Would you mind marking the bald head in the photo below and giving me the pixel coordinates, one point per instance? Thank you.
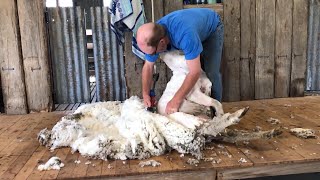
(148, 36)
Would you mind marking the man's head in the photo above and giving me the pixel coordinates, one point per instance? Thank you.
(151, 38)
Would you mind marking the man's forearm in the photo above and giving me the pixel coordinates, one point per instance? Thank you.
(187, 85)
(146, 78)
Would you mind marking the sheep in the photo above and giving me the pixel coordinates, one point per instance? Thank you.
(126, 130)
(198, 98)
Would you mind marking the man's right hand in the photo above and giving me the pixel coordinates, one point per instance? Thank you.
(147, 100)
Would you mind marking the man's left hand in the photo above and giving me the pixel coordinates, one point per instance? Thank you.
(173, 106)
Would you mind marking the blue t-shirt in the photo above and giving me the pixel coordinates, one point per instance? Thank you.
(187, 29)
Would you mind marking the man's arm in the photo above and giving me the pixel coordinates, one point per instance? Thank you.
(190, 80)
(147, 71)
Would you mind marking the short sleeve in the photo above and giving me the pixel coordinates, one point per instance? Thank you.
(191, 45)
(152, 58)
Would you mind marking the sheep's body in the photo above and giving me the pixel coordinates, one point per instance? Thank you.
(127, 131)
(198, 100)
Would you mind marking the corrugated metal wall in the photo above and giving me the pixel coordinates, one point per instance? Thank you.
(313, 71)
(108, 57)
(69, 55)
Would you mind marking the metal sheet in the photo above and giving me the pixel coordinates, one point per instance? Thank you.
(69, 55)
(313, 71)
(108, 57)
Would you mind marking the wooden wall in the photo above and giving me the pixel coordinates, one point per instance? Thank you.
(25, 80)
(264, 48)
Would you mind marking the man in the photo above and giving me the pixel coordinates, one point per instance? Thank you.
(196, 32)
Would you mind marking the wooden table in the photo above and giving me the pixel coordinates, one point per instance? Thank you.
(20, 152)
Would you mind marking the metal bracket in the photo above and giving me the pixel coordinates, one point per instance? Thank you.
(263, 56)
(282, 56)
(38, 68)
(248, 58)
(296, 55)
(7, 69)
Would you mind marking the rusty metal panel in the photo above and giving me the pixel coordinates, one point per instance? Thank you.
(108, 57)
(69, 55)
(313, 67)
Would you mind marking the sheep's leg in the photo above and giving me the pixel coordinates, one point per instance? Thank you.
(201, 98)
(195, 109)
(234, 136)
(218, 124)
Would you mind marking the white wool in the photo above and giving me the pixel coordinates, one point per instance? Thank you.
(124, 130)
(151, 162)
(53, 163)
(127, 131)
(303, 133)
(65, 132)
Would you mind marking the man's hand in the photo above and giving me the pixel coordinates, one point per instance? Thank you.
(173, 105)
(188, 83)
(146, 100)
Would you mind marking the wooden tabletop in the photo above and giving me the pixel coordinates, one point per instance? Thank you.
(20, 153)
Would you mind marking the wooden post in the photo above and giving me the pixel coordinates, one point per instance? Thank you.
(248, 48)
(35, 54)
(283, 48)
(265, 41)
(299, 47)
(14, 94)
(133, 69)
(231, 55)
(172, 5)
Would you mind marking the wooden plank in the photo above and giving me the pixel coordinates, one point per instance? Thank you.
(69, 166)
(7, 122)
(299, 47)
(133, 66)
(35, 55)
(185, 175)
(75, 107)
(265, 33)
(36, 174)
(172, 5)
(70, 107)
(6, 162)
(158, 9)
(62, 154)
(248, 48)
(31, 163)
(231, 54)
(283, 48)
(12, 79)
(15, 167)
(95, 168)
(62, 107)
(270, 170)
(81, 168)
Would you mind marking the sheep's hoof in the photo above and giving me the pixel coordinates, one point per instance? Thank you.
(246, 109)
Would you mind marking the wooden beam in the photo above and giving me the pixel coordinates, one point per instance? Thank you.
(13, 87)
(248, 48)
(172, 5)
(231, 55)
(299, 47)
(283, 48)
(265, 40)
(269, 170)
(35, 55)
(133, 69)
(186, 175)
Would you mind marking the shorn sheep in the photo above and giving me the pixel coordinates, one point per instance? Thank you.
(125, 130)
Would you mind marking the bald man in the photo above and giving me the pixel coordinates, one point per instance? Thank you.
(197, 32)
